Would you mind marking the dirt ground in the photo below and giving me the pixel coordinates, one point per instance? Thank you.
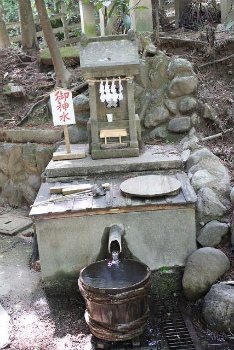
(40, 322)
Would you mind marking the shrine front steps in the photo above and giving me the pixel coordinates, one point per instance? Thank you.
(151, 159)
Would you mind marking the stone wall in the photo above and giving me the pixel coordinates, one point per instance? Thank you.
(165, 96)
(20, 172)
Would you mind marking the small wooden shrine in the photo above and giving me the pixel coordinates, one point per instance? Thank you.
(109, 65)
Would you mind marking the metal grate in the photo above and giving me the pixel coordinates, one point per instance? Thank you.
(173, 325)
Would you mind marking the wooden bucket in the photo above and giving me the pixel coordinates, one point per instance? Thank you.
(116, 298)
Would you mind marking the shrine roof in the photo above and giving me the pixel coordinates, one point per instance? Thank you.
(113, 55)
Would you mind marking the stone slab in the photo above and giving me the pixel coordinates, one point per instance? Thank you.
(152, 158)
(30, 135)
(11, 224)
(4, 328)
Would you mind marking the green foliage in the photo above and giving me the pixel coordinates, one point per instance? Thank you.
(11, 8)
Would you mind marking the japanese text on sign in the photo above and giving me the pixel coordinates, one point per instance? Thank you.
(62, 107)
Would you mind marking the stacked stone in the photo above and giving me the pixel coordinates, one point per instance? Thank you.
(165, 96)
(20, 173)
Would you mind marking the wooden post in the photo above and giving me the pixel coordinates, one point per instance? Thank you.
(131, 114)
(66, 136)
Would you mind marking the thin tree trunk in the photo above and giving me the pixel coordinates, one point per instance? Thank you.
(156, 22)
(62, 74)
(4, 38)
(27, 26)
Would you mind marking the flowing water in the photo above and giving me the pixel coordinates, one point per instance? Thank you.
(114, 274)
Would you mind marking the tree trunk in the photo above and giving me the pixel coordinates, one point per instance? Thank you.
(156, 22)
(4, 38)
(62, 74)
(27, 26)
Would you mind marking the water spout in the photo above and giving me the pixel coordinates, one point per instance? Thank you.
(115, 238)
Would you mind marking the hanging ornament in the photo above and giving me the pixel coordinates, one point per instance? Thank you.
(120, 90)
(102, 92)
(108, 93)
(114, 93)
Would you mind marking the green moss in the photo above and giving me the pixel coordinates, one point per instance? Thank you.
(167, 280)
(90, 30)
(71, 51)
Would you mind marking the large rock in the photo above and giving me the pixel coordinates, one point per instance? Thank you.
(200, 156)
(218, 308)
(210, 113)
(15, 164)
(43, 155)
(171, 105)
(80, 103)
(158, 72)
(201, 178)
(202, 269)
(179, 66)
(77, 134)
(187, 105)
(179, 124)
(160, 131)
(202, 162)
(155, 116)
(20, 173)
(209, 206)
(28, 157)
(232, 195)
(11, 194)
(211, 234)
(143, 77)
(181, 86)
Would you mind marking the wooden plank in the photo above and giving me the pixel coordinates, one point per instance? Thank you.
(43, 195)
(73, 155)
(188, 191)
(118, 199)
(61, 205)
(113, 133)
(112, 210)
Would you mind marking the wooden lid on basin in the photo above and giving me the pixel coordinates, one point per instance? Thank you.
(150, 186)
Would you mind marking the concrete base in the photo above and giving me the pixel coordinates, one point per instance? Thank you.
(157, 238)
